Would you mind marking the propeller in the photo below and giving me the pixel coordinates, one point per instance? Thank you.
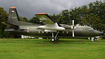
(72, 27)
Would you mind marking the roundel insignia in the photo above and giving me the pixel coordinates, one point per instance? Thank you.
(27, 31)
(12, 10)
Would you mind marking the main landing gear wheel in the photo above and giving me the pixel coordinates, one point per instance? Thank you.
(52, 39)
(57, 39)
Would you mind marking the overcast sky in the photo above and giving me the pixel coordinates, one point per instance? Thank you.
(27, 8)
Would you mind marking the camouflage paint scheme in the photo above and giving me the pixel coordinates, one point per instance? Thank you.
(25, 28)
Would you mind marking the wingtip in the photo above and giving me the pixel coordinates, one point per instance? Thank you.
(41, 14)
(12, 7)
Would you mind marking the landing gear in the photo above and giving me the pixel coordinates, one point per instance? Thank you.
(53, 38)
(93, 39)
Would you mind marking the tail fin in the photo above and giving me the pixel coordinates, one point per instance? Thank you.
(13, 17)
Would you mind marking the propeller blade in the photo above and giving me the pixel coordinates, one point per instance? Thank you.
(72, 33)
(72, 28)
(72, 22)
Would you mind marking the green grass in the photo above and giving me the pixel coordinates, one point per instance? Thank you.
(45, 49)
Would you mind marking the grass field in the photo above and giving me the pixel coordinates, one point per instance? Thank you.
(45, 49)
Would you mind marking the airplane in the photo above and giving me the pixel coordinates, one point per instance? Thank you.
(49, 29)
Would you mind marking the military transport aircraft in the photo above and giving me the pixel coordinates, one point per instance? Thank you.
(50, 27)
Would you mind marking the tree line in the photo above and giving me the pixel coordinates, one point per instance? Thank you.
(92, 15)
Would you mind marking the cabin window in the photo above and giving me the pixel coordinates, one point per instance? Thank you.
(39, 32)
(91, 29)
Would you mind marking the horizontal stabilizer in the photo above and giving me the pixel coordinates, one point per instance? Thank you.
(8, 24)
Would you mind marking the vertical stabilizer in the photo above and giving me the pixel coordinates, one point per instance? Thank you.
(13, 17)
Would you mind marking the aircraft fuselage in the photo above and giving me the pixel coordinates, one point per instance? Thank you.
(35, 31)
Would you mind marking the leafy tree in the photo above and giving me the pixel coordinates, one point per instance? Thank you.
(75, 14)
(23, 19)
(1, 33)
(3, 18)
(35, 20)
(6, 34)
(62, 18)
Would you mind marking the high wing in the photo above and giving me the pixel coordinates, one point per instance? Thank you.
(50, 23)
(44, 18)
